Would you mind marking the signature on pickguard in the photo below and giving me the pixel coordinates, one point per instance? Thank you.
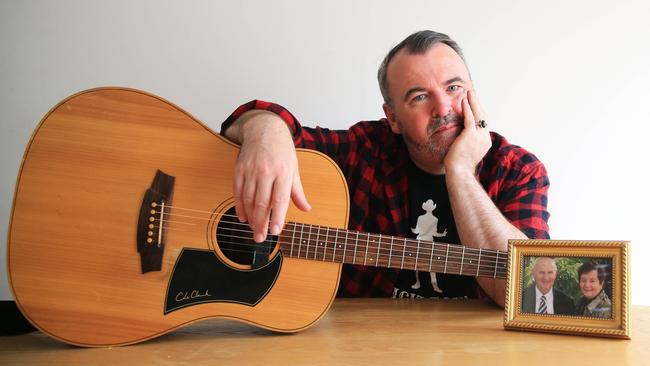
(190, 295)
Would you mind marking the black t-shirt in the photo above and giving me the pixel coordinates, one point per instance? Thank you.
(431, 219)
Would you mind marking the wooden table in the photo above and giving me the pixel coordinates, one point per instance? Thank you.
(356, 331)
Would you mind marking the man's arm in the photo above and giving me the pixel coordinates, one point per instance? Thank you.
(479, 222)
(266, 173)
(266, 153)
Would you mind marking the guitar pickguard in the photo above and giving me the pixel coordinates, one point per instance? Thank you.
(199, 276)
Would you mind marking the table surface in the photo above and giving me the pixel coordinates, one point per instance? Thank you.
(356, 331)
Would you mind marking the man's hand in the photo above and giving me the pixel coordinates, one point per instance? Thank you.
(266, 173)
(473, 143)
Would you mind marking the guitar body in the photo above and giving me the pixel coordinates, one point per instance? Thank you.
(73, 250)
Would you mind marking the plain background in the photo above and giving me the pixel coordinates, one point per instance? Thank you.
(568, 80)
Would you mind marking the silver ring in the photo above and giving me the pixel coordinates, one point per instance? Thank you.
(481, 124)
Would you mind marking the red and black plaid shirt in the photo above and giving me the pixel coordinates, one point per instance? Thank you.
(374, 161)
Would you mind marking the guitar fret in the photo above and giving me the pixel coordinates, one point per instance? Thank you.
(462, 259)
(317, 236)
(378, 249)
(390, 253)
(318, 243)
(305, 242)
(302, 230)
(345, 245)
(504, 263)
(356, 243)
(322, 243)
(327, 232)
(336, 241)
(417, 255)
(446, 258)
(309, 243)
(365, 258)
(293, 235)
(403, 253)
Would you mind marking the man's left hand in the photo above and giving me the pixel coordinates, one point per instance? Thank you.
(473, 143)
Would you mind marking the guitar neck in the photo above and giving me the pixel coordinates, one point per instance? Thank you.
(314, 242)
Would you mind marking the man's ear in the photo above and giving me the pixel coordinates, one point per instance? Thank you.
(392, 121)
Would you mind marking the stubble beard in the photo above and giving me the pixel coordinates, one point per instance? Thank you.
(437, 144)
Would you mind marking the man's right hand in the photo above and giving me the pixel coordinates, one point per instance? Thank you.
(266, 173)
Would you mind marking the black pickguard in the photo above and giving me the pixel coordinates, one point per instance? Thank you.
(199, 276)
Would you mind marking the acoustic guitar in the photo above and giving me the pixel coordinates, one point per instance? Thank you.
(123, 229)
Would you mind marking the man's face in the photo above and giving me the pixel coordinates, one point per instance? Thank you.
(544, 274)
(426, 92)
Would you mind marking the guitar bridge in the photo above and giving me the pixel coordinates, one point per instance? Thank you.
(151, 221)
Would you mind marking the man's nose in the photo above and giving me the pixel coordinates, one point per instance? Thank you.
(442, 105)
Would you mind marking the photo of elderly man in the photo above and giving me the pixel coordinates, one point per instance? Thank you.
(540, 297)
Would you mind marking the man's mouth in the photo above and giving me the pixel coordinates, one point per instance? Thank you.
(446, 123)
(447, 127)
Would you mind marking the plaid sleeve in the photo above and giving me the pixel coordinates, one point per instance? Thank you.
(524, 202)
(334, 143)
(286, 116)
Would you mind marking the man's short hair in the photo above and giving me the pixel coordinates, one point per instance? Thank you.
(593, 266)
(539, 259)
(416, 44)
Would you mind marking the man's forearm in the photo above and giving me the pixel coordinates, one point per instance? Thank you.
(480, 224)
(236, 131)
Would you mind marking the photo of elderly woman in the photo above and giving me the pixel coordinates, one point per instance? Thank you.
(574, 286)
(594, 301)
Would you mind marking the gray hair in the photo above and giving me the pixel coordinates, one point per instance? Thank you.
(416, 44)
(539, 259)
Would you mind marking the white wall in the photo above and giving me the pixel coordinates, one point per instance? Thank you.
(569, 80)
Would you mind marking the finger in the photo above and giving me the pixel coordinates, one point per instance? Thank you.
(475, 106)
(477, 110)
(248, 201)
(262, 210)
(280, 202)
(298, 194)
(468, 116)
(237, 191)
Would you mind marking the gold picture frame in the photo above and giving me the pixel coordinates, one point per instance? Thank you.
(580, 268)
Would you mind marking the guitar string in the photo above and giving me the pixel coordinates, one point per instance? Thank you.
(453, 252)
(380, 248)
(488, 252)
(435, 267)
(483, 254)
(418, 262)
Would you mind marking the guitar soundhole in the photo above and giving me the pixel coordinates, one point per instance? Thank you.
(236, 242)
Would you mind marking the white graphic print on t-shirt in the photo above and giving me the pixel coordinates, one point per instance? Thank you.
(426, 229)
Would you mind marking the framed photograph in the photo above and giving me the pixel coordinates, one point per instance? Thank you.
(574, 287)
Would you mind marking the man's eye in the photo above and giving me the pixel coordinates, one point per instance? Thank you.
(420, 97)
(453, 88)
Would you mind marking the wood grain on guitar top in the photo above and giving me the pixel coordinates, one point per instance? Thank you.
(74, 266)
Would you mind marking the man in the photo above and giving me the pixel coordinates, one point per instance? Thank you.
(540, 297)
(433, 144)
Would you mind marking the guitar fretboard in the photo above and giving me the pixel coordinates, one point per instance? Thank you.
(327, 244)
